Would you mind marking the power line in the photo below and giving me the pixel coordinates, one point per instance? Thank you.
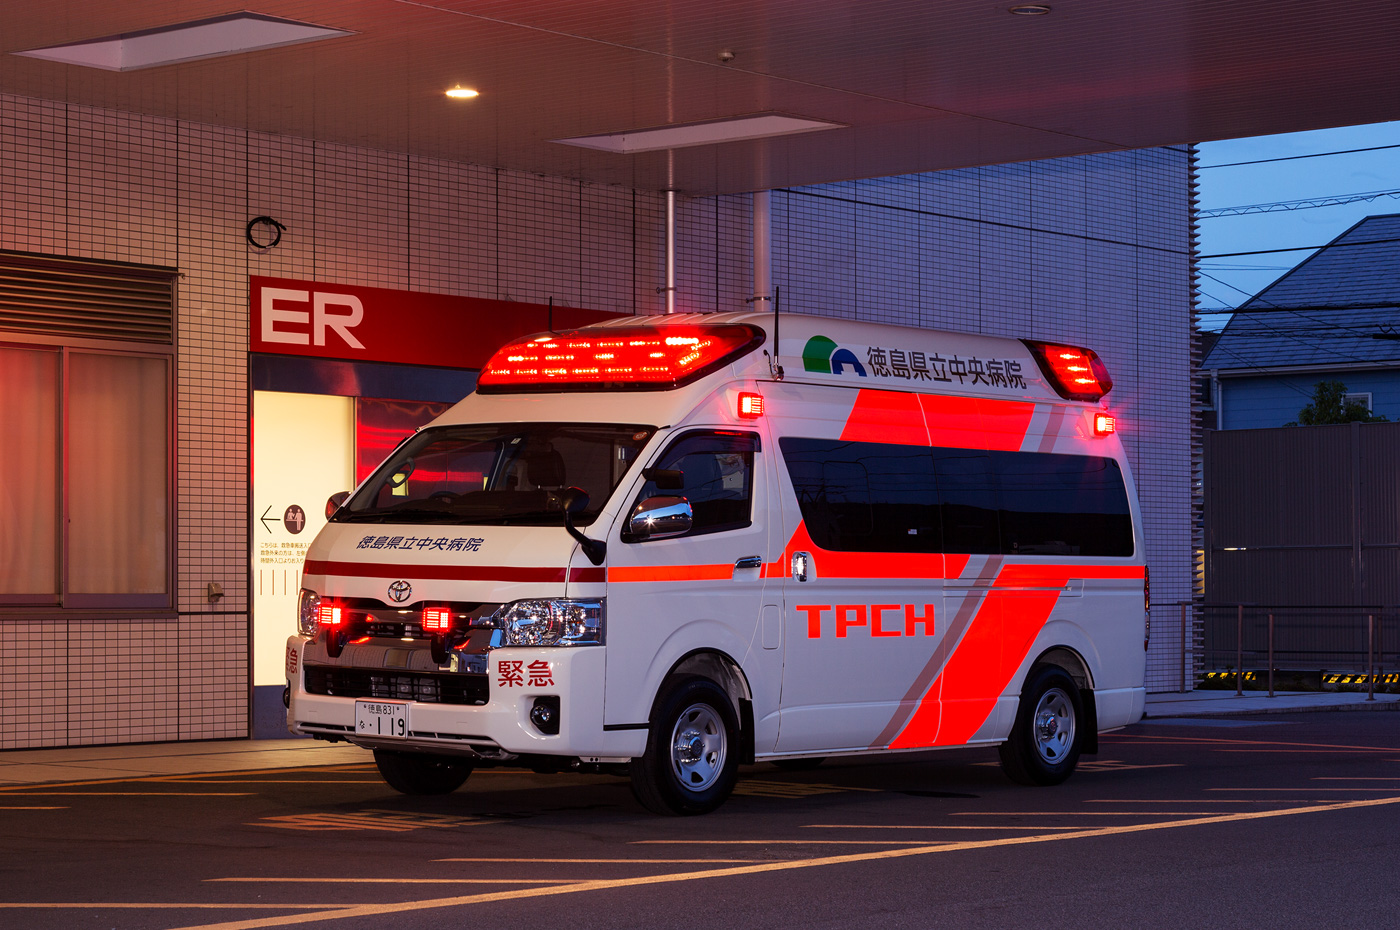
(1305, 204)
(1300, 248)
(1265, 161)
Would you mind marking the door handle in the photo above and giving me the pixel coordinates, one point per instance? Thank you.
(749, 561)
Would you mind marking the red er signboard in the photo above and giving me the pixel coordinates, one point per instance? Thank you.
(376, 324)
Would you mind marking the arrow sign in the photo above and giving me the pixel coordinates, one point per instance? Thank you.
(263, 518)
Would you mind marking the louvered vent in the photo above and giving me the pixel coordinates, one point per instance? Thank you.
(86, 299)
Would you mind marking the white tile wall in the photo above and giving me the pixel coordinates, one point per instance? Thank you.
(1088, 249)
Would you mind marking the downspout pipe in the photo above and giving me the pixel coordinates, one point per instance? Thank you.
(670, 251)
(762, 250)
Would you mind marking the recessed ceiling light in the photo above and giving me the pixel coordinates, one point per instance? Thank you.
(1029, 9)
(462, 93)
(738, 129)
(204, 38)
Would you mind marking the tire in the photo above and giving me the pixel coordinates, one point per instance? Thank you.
(692, 756)
(1046, 739)
(799, 765)
(421, 773)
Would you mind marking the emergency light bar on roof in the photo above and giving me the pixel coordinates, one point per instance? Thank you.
(1075, 373)
(638, 357)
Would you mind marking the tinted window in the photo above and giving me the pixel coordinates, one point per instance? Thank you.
(717, 478)
(880, 497)
(968, 492)
(1062, 505)
(864, 496)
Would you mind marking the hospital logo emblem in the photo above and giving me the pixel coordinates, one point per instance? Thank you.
(823, 355)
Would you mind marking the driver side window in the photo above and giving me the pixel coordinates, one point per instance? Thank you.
(716, 473)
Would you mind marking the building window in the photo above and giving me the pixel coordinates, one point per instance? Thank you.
(86, 502)
(1361, 397)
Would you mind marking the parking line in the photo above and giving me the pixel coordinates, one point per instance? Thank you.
(407, 881)
(128, 794)
(371, 910)
(633, 861)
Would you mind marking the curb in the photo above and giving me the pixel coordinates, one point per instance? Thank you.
(1264, 711)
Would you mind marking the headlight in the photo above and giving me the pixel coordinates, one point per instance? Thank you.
(307, 609)
(552, 622)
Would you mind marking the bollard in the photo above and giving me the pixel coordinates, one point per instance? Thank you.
(1183, 647)
(1271, 653)
(1239, 652)
(1370, 657)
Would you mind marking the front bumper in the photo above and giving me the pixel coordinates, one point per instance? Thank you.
(499, 729)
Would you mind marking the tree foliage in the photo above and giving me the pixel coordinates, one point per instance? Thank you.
(1329, 405)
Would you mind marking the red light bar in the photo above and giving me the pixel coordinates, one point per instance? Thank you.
(1104, 424)
(1074, 373)
(329, 615)
(639, 357)
(437, 619)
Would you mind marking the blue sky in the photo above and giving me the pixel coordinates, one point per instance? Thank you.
(1227, 282)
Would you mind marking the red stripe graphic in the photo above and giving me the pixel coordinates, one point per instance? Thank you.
(886, 416)
(723, 572)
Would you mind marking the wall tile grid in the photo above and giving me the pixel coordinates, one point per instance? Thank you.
(1092, 250)
(111, 185)
(1057, 249)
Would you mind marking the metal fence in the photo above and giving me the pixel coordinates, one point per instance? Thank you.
(1261, 644)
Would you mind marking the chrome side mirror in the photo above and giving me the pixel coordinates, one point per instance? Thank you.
(660, 518)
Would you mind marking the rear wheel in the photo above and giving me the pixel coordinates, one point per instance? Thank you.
(1046, 739)
(421, 773)
(691, 761)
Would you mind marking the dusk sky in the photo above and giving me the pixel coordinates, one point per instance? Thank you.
(1228, 282)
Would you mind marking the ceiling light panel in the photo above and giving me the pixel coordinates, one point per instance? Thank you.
(233, 34)
(760, 126)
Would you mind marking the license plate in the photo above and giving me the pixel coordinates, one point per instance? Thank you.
(381, 718)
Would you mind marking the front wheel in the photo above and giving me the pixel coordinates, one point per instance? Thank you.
(1045, 740)
(421, 773)
(691, 761)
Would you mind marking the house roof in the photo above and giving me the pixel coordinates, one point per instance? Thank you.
(1339, 308)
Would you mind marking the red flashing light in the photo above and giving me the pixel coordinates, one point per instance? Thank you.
(640, 357)
(437, 619)
(329, 615)
(750, 405)
(1074, 373)
(1104, 424)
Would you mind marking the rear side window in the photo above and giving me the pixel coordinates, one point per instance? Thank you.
(864, 496)
(883, 497)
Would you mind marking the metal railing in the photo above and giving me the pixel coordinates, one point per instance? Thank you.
(1254, 642)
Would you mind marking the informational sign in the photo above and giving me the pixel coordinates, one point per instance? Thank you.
(376, 324)
(303, 452)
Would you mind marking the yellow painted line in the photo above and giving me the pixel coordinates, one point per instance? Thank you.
(775, 842)
(409, 881)
(1310, 788)
(1219, 740)
(130, 793)
(372, 910)
(279, 781)
(1202, 801)
(127, 779)
(167, 906)
(17, 808)
(633, 861)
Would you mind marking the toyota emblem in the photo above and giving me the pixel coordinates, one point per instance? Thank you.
(400, 591)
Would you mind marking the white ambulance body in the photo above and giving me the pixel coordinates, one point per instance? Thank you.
(875, 539)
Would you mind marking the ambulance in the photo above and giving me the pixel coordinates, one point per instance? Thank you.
(666, 546)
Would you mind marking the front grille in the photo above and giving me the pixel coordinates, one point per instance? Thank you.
(428, 687)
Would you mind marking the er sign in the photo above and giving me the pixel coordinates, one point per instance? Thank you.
(376, 324)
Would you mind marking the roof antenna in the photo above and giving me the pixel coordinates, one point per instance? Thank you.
(774, 368)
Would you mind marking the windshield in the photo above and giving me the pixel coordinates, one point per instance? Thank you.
(498, 474)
